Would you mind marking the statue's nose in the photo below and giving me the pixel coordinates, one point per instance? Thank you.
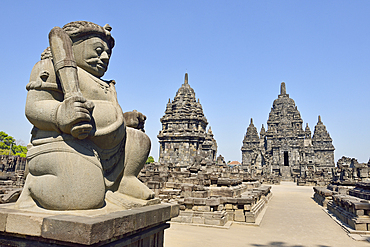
(104, 57)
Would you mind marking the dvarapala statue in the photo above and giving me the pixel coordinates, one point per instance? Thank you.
(82, 146)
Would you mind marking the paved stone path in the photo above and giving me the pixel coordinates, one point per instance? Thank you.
(292, 219)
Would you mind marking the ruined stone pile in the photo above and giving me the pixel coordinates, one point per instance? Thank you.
(349, 204)
(349, 171)
(218, 209)
(323, 195)
(11, 178)
(213, 195)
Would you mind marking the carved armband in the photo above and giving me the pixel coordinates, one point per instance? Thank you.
(64, 63)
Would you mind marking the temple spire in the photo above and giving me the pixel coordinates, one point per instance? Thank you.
(251, 121)
(319, 121)
(186, 78)
(282, 88)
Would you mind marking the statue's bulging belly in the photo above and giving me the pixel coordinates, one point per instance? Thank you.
(109, 128)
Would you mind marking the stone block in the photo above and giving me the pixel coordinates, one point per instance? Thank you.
(186, 194)
(247, 207)
(24, 223)
(212, 201)
(200, 194)
(220, 207)
(216, 222)
(204, 208)
(214, 215)
(3, 218)
(186, 219)
(243, 201)
(198, 220)
(198, 214)
(361, 227)
(170, 185)
(177, 219)
(90, 230)
(250, 217)
(230, 215)
(232, 200)
(199, 201)
(189, 200)
(360, 212)
(77, 229)
(239, 215)
(186, 213)
(228, 206)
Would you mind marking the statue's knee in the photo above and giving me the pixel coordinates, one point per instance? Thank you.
(137, 138)
(64, 181)
(57, 193)
(42, 164)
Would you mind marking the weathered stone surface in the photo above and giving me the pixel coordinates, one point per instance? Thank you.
(81, 136)
(239, 215)
(85, 229)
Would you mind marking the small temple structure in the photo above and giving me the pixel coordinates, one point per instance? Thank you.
(285, 149)
(184, 136)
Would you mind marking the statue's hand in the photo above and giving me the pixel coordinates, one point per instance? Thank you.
(134, 119)
(74, 115)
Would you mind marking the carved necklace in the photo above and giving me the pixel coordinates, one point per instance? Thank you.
(101, 84)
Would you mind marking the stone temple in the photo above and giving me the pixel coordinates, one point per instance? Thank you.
(183, 138)
(285, 149)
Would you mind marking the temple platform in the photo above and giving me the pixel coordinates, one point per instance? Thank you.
(142, 226)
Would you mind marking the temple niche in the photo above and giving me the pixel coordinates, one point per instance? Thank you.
(184, 135)
(285, 149)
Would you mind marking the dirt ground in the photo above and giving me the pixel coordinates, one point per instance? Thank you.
(292, 218)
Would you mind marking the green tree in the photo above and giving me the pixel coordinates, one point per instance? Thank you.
(7, 142)
(149, 160)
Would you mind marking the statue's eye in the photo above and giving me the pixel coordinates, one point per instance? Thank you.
(99, 50)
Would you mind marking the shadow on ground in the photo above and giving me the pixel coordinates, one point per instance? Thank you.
(283, 244)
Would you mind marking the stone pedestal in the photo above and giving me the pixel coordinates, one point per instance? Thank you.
(135, 227)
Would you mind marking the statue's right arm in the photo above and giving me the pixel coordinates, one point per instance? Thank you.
(46, 107)
(41, 108)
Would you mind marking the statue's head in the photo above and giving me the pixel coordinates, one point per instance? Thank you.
(92, 45)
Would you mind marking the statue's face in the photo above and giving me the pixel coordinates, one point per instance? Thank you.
(92, 55)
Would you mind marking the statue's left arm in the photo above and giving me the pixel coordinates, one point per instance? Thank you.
(134, 119)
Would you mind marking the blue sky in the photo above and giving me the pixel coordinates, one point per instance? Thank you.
(236, 54)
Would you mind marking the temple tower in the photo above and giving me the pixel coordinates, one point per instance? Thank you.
(284, 135)
(323, 146)
(183, 135)
(285, 146)
(251, 146)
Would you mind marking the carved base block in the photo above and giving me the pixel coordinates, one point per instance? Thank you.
(136, 227)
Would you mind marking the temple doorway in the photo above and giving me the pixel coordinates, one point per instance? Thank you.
(286, 158)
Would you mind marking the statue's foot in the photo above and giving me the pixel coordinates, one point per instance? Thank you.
(132, 186)
(126, 202)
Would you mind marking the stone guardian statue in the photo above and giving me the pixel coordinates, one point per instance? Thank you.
(85, 153)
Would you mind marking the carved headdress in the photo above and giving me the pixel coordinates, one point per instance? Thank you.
(81, 30)
(77, 30)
